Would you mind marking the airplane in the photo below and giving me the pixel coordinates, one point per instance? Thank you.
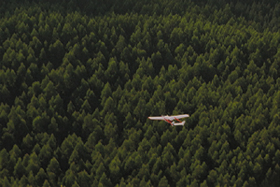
(170, 119)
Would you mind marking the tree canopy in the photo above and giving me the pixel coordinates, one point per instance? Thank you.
(78, 80)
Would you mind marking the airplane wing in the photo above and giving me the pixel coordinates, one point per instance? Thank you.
(180, 116)
(156, 118)
(175, 117)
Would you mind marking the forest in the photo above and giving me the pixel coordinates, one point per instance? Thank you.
(79, 78)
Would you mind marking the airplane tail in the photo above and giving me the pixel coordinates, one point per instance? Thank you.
(178, 124)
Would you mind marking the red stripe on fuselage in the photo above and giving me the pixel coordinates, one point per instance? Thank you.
(178, 120)
(168, 121)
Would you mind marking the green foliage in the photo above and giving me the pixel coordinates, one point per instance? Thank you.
(77, 85)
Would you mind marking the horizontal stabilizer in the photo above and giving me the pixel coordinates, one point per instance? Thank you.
(182, 123)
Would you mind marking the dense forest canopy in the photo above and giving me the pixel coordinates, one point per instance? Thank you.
(78, 80)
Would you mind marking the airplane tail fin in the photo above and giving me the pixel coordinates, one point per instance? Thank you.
(178, 124)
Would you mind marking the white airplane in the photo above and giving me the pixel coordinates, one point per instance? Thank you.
(170, 119)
